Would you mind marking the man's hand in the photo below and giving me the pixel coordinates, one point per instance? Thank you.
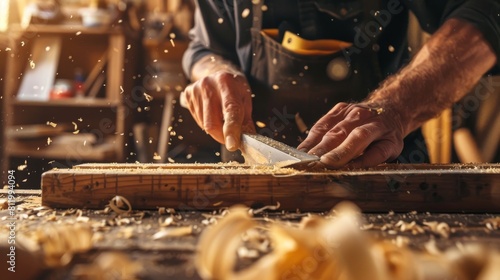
(443, 71)
(359, 135)
(221, 104)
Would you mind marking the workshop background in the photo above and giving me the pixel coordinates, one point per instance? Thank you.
(97, 82)
(107, 76)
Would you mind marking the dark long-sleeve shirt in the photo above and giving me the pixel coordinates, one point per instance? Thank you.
(222, 27)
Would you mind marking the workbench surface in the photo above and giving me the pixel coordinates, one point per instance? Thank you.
(133, 234)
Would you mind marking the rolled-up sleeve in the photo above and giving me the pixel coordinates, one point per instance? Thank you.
(212, 33)
(483, 14)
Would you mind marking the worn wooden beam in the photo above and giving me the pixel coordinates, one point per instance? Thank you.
(401, 187)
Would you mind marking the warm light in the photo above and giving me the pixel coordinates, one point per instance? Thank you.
(4, 15)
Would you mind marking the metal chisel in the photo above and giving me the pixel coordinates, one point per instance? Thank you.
(259, 149)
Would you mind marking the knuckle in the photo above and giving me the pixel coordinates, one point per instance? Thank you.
(224, 77)
(204, 84)
(356, 113)
(232, 112)
(337, 131)
(332, 159)
(340, 106)
(361, 132)
(320, 128)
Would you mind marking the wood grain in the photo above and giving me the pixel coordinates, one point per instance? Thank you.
(401, 187)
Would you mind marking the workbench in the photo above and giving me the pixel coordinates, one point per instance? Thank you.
(132, 235)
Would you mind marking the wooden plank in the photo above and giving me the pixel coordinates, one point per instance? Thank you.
(433, 188)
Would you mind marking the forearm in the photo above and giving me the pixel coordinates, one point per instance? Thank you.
(211, 64)
(443, 71)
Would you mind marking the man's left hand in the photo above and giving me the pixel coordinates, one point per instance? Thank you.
(355, 136)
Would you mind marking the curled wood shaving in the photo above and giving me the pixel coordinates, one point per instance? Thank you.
(167, 222)
(411, 227)
(321, 248)
(4, 204)
(267, 207)
(120, 205)
(440, 228)
(163, 210)
(492, 223)
(59, 243)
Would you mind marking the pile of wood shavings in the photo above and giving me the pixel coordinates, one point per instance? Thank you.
(49, 239)
(333, 248)
(187, 169)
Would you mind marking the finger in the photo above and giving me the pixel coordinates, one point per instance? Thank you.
(183, 99)
(333, 138)
(357, 141)
(233, 120)
(353, 117)
(322, 126)
(376, 153)
(248, 124)
(191, 105)
(233, 112)
(212, 118)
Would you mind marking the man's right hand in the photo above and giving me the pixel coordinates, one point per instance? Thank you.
(221, 104)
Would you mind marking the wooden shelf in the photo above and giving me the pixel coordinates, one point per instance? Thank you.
(70, 102)
(101, 152)
(107, 116)
(76, 29)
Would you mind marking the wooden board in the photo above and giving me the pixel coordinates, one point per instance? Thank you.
(425, 187)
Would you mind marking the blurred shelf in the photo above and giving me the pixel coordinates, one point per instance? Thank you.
(70, 102)
(105, 115)
(101, 152)
(76, 29)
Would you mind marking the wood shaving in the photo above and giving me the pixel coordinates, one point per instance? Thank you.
(492, 223)
(83, 219)
(440, 228)
(267, 207)
(163, 210)
(120, 205)
(4, 204)
(60, 243)
(22, 167)
(409, 227)
(148, 97)
(167, 222)
(173, 232)
(321, 248)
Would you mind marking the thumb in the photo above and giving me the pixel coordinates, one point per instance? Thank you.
(233, 120)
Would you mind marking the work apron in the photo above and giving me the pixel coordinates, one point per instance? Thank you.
(292, 91)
